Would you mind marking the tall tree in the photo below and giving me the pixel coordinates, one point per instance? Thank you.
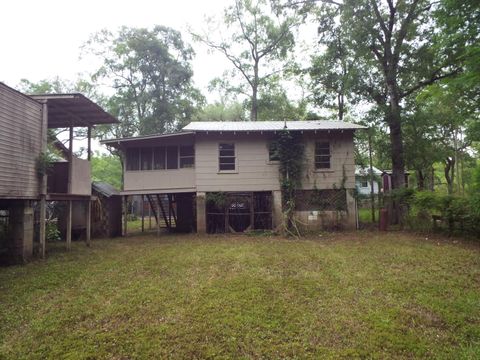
(334, 70)
(257, 38)
(107, 168)
(399, 51)
(151, 74)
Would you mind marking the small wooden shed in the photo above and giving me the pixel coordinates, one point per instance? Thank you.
(106, 211)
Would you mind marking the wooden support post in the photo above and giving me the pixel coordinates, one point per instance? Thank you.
(89, 147)
(149, 218)
(70, 160)
(252, 215)
(125, 215)
(143, 214)
(89, 223)
(159, 205)
(43, 186)
(201, 212)
(43, 215)
(69, 224)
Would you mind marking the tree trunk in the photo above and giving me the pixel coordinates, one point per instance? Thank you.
(431, 180)
(449, 173)
(420, 180)
(254, 109)
(397, 154)
(341, 105)
(396, 139)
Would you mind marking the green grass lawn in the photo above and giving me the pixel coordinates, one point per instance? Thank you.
(352, 295)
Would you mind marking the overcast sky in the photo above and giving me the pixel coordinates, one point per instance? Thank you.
(42, 39)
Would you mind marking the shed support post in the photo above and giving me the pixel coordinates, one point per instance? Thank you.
(125, 215)
(69, 224)
(89, 222)
(201, 216)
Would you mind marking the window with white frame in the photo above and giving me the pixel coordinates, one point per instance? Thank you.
(226, 157)
(322, 155)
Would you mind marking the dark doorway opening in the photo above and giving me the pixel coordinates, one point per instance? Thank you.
(239, 211)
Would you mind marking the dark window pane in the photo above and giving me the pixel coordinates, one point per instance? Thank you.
(227, 147)
(159, 158)
(133, 159)
(187, 150)
(273, 152)
(227, 160)
(146, 158)
(322, 155)
(227, 166)
(172, 157)
(227, 153)
(186, 162)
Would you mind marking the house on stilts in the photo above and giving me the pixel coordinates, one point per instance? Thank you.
(27, 181)
(224, 176)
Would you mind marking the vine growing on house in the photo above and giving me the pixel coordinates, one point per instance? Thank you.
(290, 153)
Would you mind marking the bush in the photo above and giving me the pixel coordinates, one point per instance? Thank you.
(51, 231)
(453, 210)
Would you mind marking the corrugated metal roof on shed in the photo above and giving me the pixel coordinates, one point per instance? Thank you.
(104, 189)
(270, 125)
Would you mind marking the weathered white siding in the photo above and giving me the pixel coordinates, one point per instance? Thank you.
(20, 144)
(254, 172)
(161, 181)
(342, 161)
(81, 177)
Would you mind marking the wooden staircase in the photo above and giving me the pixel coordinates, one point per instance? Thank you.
(164, 210)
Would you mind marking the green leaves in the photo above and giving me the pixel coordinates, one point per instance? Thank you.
(151, 73)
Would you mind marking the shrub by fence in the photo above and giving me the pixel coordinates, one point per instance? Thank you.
(430, 211)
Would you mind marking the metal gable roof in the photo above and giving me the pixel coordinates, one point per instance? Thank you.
(229, 126)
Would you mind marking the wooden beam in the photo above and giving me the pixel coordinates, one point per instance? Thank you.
(252, 216)
(159, 204)
(69, 224)
(70, 159)
(89, 146)
(143, 214)
(43, 215)
(89, 222)
(43, 185)
(152, 208)
(164, 214)
(125, 215)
